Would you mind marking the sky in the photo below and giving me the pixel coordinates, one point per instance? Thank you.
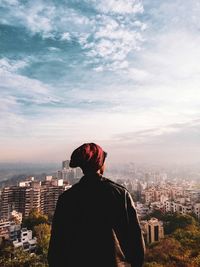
(124, 74)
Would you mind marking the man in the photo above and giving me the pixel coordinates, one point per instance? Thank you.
(95, 223)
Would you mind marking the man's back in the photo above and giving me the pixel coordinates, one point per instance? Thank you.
(95, 224)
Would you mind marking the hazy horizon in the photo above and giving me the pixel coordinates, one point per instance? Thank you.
(123, 74)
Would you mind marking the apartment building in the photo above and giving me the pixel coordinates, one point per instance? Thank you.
(22, 198)
(31, 195)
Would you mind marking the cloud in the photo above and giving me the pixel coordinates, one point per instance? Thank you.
(37, 17)
(17, 94)
(11, 119)
(112, 42)
(13, 83)
(119, 7)
(139, 75)
(7, 65)
(175, 143)
(108, 34)
(171, 14)
(65, 36)
(156, 136)
(122, 73)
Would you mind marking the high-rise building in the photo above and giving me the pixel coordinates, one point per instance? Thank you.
(50, 191)
(65, 164)
(42, 197)
(70, 175)
(6, 202)
(21, 198)
(32, 200)
(79, 173)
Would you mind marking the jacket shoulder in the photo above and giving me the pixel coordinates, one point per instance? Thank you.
(69, 191)
(115, 185)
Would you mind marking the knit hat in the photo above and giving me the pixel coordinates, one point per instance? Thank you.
(89, 157)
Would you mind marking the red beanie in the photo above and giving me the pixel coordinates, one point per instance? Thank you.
(89, 157)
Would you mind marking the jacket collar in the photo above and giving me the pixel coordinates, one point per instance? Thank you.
(95, 177)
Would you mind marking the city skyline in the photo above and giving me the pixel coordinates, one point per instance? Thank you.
(123, 74)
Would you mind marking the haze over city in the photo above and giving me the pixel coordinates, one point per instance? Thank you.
(123, 74)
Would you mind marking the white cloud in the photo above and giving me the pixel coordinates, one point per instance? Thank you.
(141, 25)
(10, 2)
(15, 92)
(51, 48)
(119, 6)
(11, 119)
(44, 18)
(110, 35)
(39, 18)
(175, 143)
(65, 36)
(158, 85)
(178, 14)
(12, 83)
(112, 43)
(139, 75)
(12, 65)
(36, 17)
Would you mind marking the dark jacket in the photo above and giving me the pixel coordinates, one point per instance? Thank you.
(95, 225)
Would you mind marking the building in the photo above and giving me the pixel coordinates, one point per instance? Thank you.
(9, 230)
(142, 210)
(32, 198)
(25, 241)
(16, 216)
(50, 191)
(22, 198)
(181, 205)
(167, 206)
(152, 230)
(41, 196)
(193, 195)
(14, 231)
(196, 210)
(154, 194)
(65, 164)
(7, 202)
(72, 175)
(185, 209)
(4, 229)
(79, 173)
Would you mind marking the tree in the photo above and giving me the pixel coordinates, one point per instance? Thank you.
(156, 214)
(180, 249)
(34, 218)
(43, 233)
(178, 221)
(159, 252)
(17, 257)
(189, 238)
(153, 264)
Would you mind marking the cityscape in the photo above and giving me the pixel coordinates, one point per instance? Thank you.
(165, 205)
(123, 74)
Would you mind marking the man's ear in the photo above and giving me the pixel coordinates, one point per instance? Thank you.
(102, 169)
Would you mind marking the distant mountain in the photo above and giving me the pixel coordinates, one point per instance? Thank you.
(12, 172)
(15, 179)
